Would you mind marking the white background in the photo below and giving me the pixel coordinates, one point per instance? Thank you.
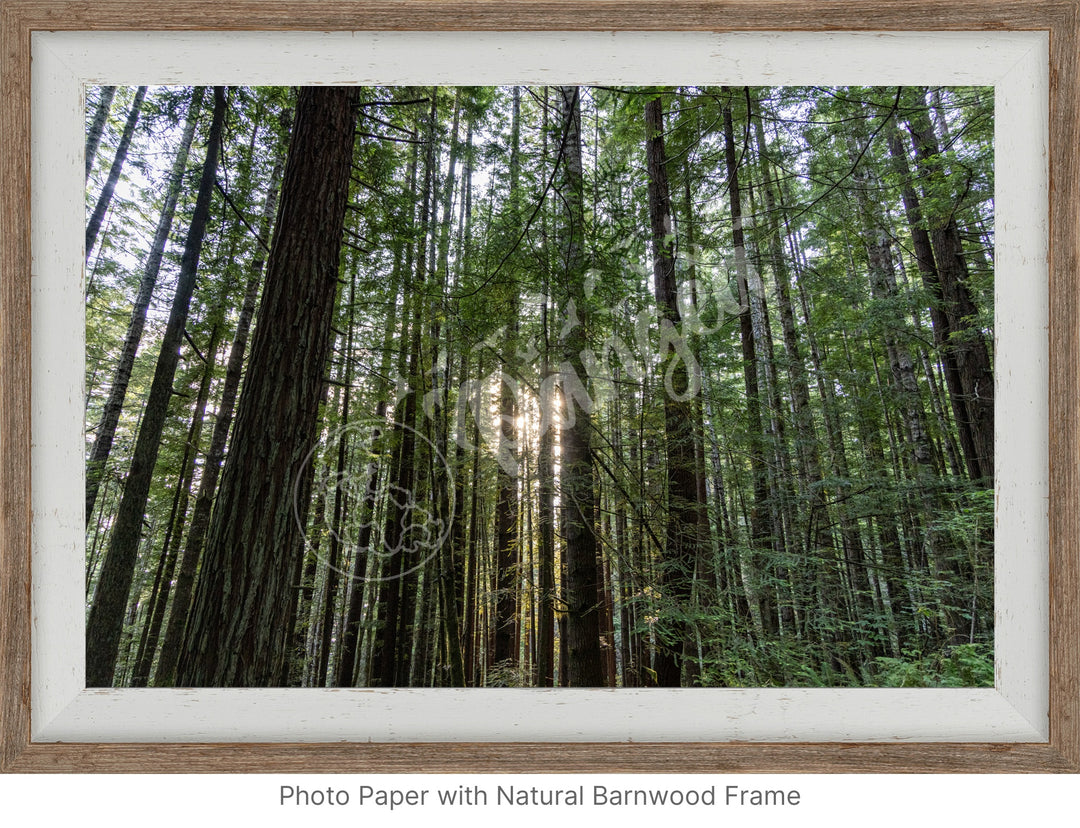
(878, 801)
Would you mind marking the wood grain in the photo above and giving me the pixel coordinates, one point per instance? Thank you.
(14, 386)
(18, 18)
(1064, 388)
(543, 15)
(543, 758)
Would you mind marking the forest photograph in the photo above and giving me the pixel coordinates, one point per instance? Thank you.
(539, 386)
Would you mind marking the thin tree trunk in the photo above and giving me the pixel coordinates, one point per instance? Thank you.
(351, 627)
(761, 528)
(105, 621)
(97, 126)
(93, 225)
(341, 497)
(583, 662)
(973, 361)
(507, 537)
(171, 549)
(106, 429)
(545, 633)
(940, 319)
(683, 527)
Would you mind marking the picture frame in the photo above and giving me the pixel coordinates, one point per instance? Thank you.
(22, 753)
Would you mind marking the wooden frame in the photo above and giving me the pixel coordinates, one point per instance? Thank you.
(19, 18)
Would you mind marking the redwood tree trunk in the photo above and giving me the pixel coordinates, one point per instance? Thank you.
(682, 538)
(238, 634)
(583, 666)
(204, 500)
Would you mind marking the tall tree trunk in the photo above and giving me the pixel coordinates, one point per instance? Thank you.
(106, 429)
(204, 499)
(172, 546)
(682, 524)
(351, 627)
(968, 345)
(105, 198)
(449, 575)
(238, 633)
(341, 497)
(97, 126)
(545, 467)
(507, 537)
(409, 479)
(105, 621)
(761, 529)
(583, 662)
(941, 321)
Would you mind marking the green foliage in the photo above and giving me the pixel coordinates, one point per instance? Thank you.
(832, 558)
(963, 665)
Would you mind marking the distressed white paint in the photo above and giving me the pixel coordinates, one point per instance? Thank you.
(1015, 710)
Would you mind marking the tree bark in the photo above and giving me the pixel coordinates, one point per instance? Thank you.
(106, 429)
(761, 528)
(171, 547)
(93, 226)
(682, 525)
(97, 126)
(967, 343)
(204, 499)
(507, 537)
(583, 664)
(238, 634)
(105, 621)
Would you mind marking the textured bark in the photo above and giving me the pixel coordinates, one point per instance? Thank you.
(941, 321)
(582, 664)
(105, 621)
(238, 634)
(204, 499)
(967, 342)
(106, 429)
(507, 538)
(171, 548)
(761, 523)
(354, 612)
(682, 525)
(97, 126)
(93, 226)
(545, 467)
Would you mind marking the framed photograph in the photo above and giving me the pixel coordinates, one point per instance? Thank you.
(539, 387)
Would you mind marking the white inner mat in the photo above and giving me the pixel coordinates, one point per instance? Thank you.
(1016, 709)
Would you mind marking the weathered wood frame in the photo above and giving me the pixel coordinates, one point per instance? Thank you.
(1060, 18)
